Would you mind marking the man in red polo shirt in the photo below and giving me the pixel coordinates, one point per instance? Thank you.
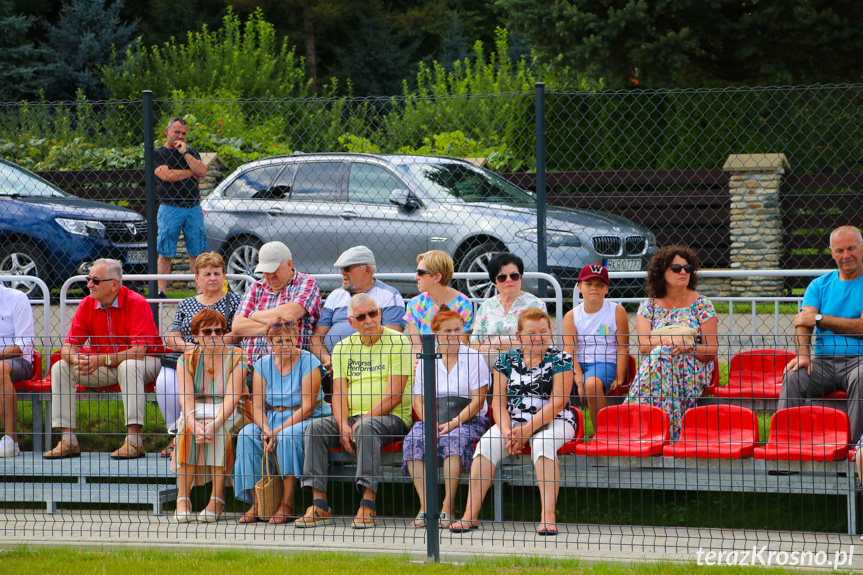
(123, 343)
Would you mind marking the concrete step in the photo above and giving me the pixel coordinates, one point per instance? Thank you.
(89, 493)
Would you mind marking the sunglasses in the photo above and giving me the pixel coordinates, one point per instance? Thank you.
(352, 267)
(424, 272)
(514, 276)
(97, 281)
(278, 325)
(212, 331)
(688, 268)
(362, 316)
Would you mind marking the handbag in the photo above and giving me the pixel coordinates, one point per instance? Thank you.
(449, 406)
(680, 334)
(268, 490)
(170, 359)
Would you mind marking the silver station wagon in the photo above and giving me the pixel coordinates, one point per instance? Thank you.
(400, 206)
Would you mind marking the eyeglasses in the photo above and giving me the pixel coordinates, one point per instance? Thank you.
(514, 276)
(422, 272)
(212, 331)
(97, 281)
(279, 325)
(362, 316)
(688, 268)
(352, 267)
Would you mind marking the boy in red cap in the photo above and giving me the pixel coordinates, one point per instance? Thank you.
(596, 334)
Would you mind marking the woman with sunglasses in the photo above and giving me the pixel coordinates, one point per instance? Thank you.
(434, 272)
(211, 380)
(496, 320)
(529, 400)
(673, 373)
(286, 395)
(462, 379)
(210, 276)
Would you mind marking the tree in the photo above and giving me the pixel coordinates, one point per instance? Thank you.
(22, 64)
(682, 43)
(80, 43)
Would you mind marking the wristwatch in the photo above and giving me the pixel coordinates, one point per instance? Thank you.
(107, 360)
(818, 318)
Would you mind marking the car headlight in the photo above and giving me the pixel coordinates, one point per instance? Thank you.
(553, 238)
(82, 227)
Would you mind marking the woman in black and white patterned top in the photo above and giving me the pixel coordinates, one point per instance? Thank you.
(210, 277)
(529, 398)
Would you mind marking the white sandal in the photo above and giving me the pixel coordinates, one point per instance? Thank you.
(207, 516)
(420, 520)
(184, 516)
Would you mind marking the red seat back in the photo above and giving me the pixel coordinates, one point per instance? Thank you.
(810, 433)
(630, 430)
(756, 374)
(32, 384)
(716, 431)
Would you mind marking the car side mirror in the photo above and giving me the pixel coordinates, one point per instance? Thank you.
(405, 199)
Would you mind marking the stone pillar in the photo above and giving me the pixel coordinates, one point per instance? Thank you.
(756, 220)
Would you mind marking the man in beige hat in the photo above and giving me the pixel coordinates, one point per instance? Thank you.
(283, 293)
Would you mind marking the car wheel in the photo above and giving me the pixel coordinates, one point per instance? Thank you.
(23, 259)
(241, 258)
(476, 261)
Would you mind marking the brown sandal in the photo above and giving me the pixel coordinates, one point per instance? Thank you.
(250, 516)
(283, 518)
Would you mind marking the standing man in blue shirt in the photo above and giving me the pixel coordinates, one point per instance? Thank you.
(178, 169)
(833, 309)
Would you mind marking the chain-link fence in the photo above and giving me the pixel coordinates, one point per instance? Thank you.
(753, 179)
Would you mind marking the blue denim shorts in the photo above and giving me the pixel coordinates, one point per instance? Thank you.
(171, 220)
(603, 370)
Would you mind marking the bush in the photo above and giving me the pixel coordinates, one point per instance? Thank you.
(244, 59)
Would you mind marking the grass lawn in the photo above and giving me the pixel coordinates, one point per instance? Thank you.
(153, 562)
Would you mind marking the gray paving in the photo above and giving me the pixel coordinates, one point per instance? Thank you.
(616, 543)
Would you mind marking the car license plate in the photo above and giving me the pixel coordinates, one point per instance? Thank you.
(624, 265)
(136, 257)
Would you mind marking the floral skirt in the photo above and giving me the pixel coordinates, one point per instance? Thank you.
(460, 441)
(671, 382)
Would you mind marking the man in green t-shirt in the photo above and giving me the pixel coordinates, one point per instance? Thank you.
(371, 407)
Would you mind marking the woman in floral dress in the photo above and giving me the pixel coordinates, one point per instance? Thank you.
(673, 373)
(496, 320)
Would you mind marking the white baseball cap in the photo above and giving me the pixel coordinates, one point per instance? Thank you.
(271, 256)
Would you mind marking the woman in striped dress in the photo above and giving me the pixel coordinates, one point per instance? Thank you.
(210, 380)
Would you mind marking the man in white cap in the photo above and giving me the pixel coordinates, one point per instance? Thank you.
(357, 266)
(283, 293)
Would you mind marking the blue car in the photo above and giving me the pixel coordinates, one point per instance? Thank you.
(48, 233)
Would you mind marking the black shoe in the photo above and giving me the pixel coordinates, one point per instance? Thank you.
(161, 295)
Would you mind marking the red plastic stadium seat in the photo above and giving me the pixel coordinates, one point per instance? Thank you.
(716, 432)
(569, 446)
(628, 430)
(630, 375)
(807, 434)
(35, 381)
(838, 394)
(756, 374)
(714, 381)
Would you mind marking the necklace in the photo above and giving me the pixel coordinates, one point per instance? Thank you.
(679, 303)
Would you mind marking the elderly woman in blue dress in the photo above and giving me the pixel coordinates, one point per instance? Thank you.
(462, 383)
(286, 395)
